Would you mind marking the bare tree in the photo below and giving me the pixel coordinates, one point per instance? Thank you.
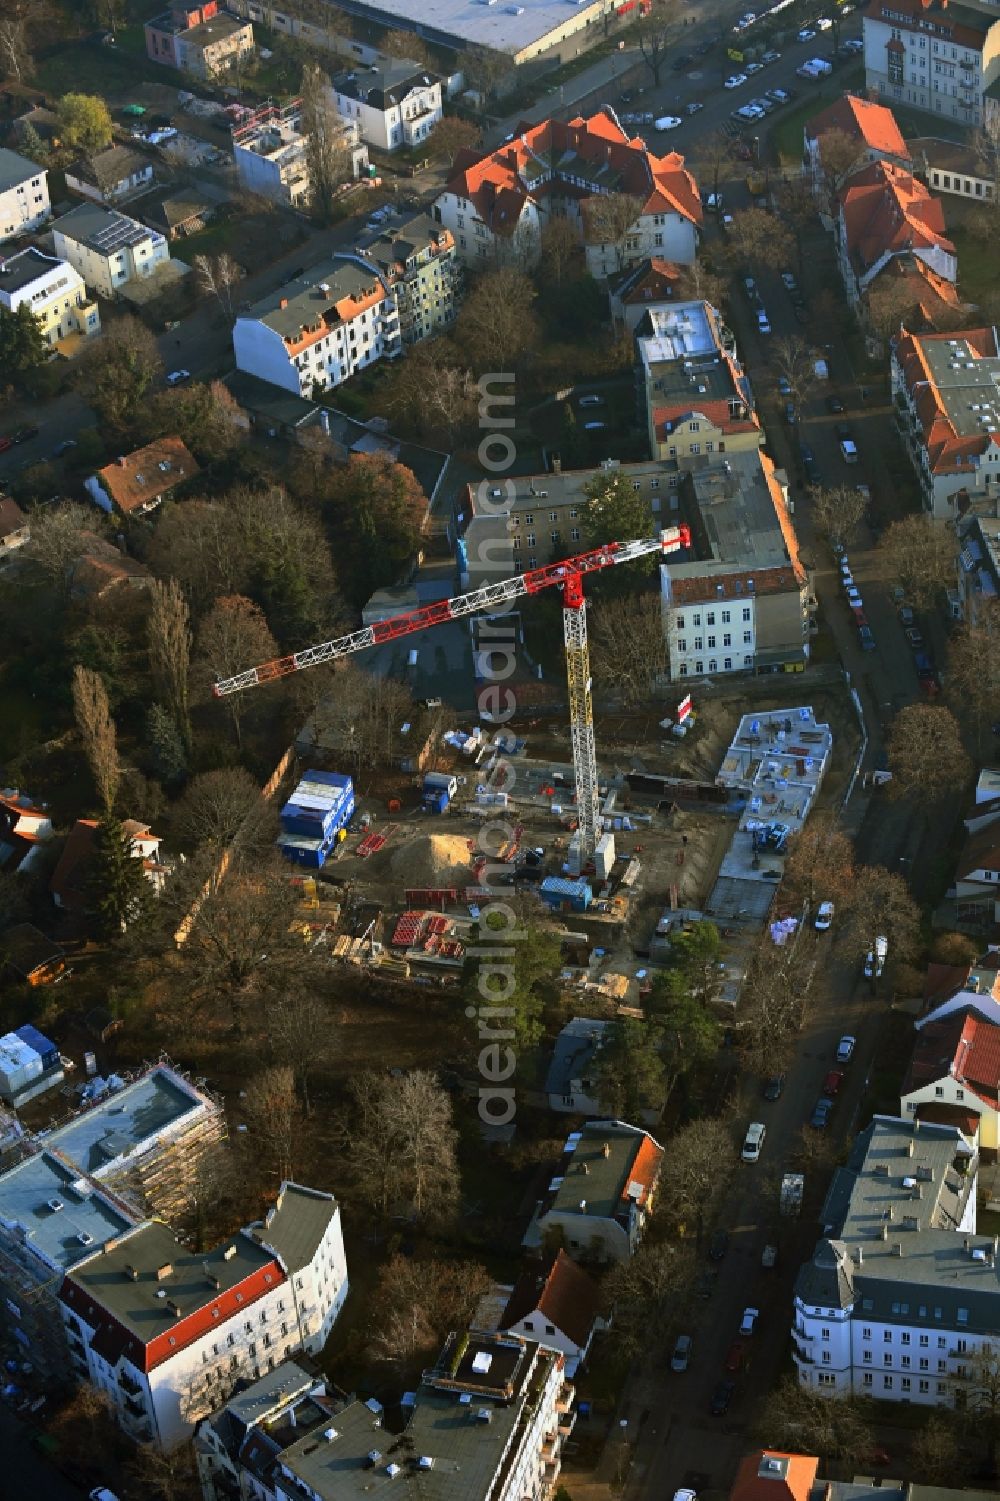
(219, 806)
(649, 1293)
(117, 370)
(218, 276)
(96, 729)
(806, 1421)
(58, 538)
(888, 305)
(798, 208)
(920, 555)
(654, 39)
(404, 1143)
(820, 863)
(926, 755)
(274, 1120)
(169, 639)
(838, 511)
(772, 1002)
(839, 155)
(609, 219)
(361, 715)
(497, 324)
(758, 238)
(485, 68)
(974, 665)
(429, 399)
(794, 360)
(15, 53)
(328, 155)
(879, 905)
(302, 1036)
(629, 646)
(234, 635)
(939, 1454)
(702, 1158)
(559, 248)
(699, 284)
(713, 157)
(451, 135)
(164, 1474)
(419, 1302)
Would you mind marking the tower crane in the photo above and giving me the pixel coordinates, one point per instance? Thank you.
(567, 575)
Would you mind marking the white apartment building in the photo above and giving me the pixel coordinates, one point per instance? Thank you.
(486, 1423)
(24, 194)
(108, 248)
(901, 1293)
(270, 154)
(946, 393)
(394, 103)
(166, 1332)
(317, 331)
(53, 290)
(932, 55)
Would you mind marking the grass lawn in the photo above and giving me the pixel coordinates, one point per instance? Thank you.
(786, 134)
(90, 68)
(977, 264)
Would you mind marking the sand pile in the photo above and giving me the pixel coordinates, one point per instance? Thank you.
(433, 860)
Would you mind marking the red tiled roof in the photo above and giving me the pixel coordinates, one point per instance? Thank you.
(866, 121)
(913, 15)
(140, 476)
(886, 210)
(715, 411)
(544, 155)
(728, 586)
(645, 1170)
(792, 1480)
(947, 452)
(963, 1047)
(566, 1296)
(652, 280)
(967, 1121)
(942, 981)
(69, 878)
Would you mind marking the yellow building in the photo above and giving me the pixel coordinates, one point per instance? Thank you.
(55, 293)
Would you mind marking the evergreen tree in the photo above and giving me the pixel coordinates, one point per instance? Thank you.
(120, 896)
(22, 343)
(166, 748)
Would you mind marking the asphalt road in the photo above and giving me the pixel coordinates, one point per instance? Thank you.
(25, 1471)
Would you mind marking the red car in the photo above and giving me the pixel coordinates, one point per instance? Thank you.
(6, 443)
(734, 1359)
(832, 1083)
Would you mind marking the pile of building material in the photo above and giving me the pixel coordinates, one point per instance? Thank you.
(433, 860)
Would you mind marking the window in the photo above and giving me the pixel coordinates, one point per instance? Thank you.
(575, 533)
(867, 1379)
(942, 1365)
(826, 1357)
(747, 637)
(963, 1318)
(695, 448)
(529, 518)
(553, 537)
(905, 1362)
(699, 667)
(553, 515)
(866, 1357)
(699, 643)
(531, 539)
(711, 643)
(824, 1334)
(727, 664)
(904, 1338)
(923, 1386)
(694, 427)
(887, 1383)
(925, 1364)
(866, 1334)
(696, 618)
(887, 1358)
(924, 1339)
(710, 617)
(682, 646)
(887, 1336)
(826, 1378)
(905, 1383)
(680, 622)
(746, 612)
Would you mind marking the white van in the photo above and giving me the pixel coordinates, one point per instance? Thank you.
(753, 1141)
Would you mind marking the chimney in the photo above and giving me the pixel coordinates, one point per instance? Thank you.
(556, 464)
(897, 1248)
(584, 1167)
(131, 1273)
(121, 461)
(606, 1149)
(583, 1206)
(164, 1271)
(283, 303)
(910, 1147)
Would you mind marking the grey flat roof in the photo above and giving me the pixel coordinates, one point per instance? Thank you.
(306, 304)
(604, 1184)
(135, 1303)
(969, 384)
(296, 1224)
(15, 168)
(20, 270)
(123, 1121)
(102, 229)
(575, 1049)
(256, 1402)
(469, 21)
(54, 1234)
(735, 521)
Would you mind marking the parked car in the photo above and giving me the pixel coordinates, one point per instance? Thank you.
(63, 447)
(824, 917)
(780, 96)
(705, 1286)
(753, 1141)
(735, 81)
(789, 280)
(914, 636)
(176, 376)
(822, 1110)
(806, 34)
(832, 1083)
(594, 427)
(876, 957)
(865, 638)
(845, 1048)
(763, 324)
(693, 107)
(722, 1397)
(751, 68)
(683, 1350)
(770, 57)
(718, 1246)
(667, 122)
(590, 400)
(784, 385)
(906, 616)
(854, 600)
(834, 404)
(774, 1087)
(734, 1357)
(24, 434)
(749, 1321)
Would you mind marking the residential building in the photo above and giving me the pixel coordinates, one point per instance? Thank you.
(70, 879)
(986, 801)
(29, 956)
(739, 600)
(497, 203)
(871, 126)
(692, 389)
(29, 1065)
(777, 755)
(106, 247)
(932, 55)
(199, 39)
(646, 285)
(571, 1082)
(271, 154)
(110, 176)
(419, 263)
(977, 570)
(534, 519)
(957, 1062)
(183, 212)
(140, 481)
(977, 877)
(900, 1293)
(979, 997)
(24, 194)
(946, 390)
(55, 293)
(393, 103)
(950, 167)
(559, 1305)
(102, 569)
(14, 528)
(774, 1475)
(24, 829)
(887, 215)
(144, 1140)
(318, 330)
(523, 34)
(602, 1192)
(166, 1332)
(500, 1434)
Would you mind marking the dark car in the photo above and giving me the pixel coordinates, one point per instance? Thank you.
(626, 96)
(923, 664)
(906, 616)
(865, 638)
(914, 637)
(735, 1356)
(834, 404)
(820, 1117)
(832, 1082)
(791, 416)
(704, 47)
(718, 1246)
(682, 62)
(774, 1086)
(6, 443)
(63, 447)
(23, 434)
(722, 1397)
(809, 465)
(843, 432)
